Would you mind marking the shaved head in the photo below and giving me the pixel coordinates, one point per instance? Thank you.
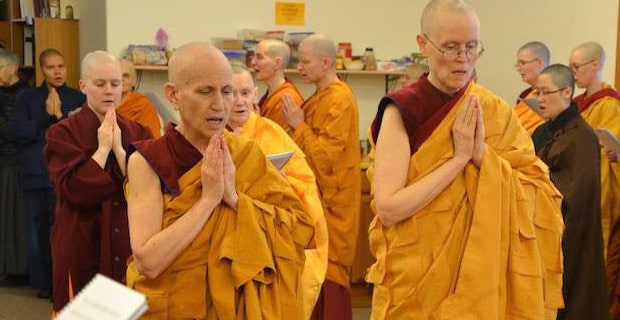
(561, 76)
(538, 49)
(321, 45)
(277, 49)
(428, 21)
(96, 58)
(191, 59)
(592, 51)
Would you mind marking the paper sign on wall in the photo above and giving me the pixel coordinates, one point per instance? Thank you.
(291, 13)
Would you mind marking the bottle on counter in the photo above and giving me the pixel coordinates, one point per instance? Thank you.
(339, 62)
(369, 59)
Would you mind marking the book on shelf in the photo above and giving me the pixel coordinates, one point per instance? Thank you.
(104, 299)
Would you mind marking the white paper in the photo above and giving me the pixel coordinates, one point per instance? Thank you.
(280, 159)
(105, 299)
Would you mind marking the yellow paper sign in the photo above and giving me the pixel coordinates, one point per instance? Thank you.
(291, 13)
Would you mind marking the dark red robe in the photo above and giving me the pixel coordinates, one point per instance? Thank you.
(90, 233)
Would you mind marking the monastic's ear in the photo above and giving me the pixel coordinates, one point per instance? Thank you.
(171, 92)
(421, 40)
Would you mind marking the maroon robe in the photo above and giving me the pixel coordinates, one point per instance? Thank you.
(584, 102)
(419, 122)
(90, 233)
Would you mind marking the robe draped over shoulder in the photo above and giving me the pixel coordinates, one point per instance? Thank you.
(242, 265)
(489, 245)
(602, 110)
(271, 138)
(137, 107)
(271, 103)
(329, 138)
(90, 233)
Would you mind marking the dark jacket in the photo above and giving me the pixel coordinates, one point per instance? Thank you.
(32, 121)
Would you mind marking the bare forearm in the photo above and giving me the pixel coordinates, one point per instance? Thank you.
(405, 202)
(161, 250)
(119, 154)
(101, 157)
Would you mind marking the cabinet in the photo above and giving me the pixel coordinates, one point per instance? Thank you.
(60, 34)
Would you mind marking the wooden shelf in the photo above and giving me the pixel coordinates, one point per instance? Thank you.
(292, 71)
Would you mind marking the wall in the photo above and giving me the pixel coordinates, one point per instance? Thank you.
(389, 26)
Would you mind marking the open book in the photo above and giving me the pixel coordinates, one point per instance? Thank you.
(280, 159)
(607, 138)
(104, 299)
(532, 103)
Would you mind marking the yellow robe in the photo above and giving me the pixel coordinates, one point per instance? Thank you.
(329, 138)
(243, 265)
(271, 107)
(488, 246)
(528, 118)
(271, 138)
(137, 107)
(605, 113)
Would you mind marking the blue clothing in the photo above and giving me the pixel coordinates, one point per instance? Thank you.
(32, 121)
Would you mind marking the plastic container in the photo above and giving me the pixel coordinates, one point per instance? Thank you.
(235, 56)
(369, 59)
(276, 34)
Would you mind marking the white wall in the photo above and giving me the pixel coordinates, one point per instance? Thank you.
(389, 26)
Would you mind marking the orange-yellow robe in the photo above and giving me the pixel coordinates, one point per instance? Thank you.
(602, 110)
(271, 103)
(488, 246)
(242, 265)
(137, 107)
(528, 118)
(329, 136)
(271, 138)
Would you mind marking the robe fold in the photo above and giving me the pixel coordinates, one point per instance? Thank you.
(90, 233)
(567, 145)
(271, 138)
(137, 107)
(489, 245)
(271, 103)
(242, 265)
(329, 138)
(528, 118)
(602, 110)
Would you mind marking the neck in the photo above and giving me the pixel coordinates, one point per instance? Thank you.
(275, 82)
(197, 140)
(594, 87)
(326, 80)
(431, 78)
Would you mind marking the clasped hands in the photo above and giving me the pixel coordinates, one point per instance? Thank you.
(53, 104)
(468, 132)
(217, 173)
(293, 115)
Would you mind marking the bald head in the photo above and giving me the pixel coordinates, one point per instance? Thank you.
(592, 51)
(320, 45)
(128, 67)
(194, 58)
(97, 58)
(429, 20)
(538, 50)
(275, 48)
(561, 76)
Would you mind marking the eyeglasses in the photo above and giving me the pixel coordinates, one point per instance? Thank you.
(522, 63)
(452, 53)
(538, 93)
(576, 66)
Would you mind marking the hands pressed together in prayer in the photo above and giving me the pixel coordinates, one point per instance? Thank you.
(293, 115)
(53, 104)
(218, 173)
(109, 138)
(468, 132)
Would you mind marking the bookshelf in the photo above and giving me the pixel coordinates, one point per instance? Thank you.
(41, 33)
